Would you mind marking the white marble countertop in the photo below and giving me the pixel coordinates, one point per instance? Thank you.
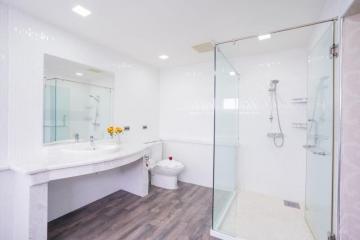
(52, 158)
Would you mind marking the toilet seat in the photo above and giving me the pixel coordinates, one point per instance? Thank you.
(172, 164)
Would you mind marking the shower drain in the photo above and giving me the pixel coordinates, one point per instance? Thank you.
(291, 204)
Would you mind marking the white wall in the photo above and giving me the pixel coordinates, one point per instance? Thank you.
(6, 204)
(6, 193)
(197, 158)
(3, 82)
(186, 119)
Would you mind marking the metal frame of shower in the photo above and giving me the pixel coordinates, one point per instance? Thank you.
(335, 149)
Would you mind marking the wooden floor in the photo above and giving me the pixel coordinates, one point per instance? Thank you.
(184, 213)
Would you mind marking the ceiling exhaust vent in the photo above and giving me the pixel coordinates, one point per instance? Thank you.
(204, 47)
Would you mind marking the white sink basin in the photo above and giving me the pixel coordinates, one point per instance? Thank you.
(85, 148)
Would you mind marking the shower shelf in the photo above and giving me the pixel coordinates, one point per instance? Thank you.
(299, 125)
(299, 100)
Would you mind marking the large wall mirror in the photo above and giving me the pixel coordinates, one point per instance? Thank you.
(77, 100)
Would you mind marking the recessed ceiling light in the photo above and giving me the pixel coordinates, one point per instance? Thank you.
(80, 74)
(81, 11)
(264, 37)
(232, 73)
(163, 57)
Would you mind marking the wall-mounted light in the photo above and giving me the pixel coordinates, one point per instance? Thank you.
(79, 74)
(264, 37)
(81, 11)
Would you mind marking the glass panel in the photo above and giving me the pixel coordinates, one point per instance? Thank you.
(226, 142)
(320, 137)
(49, 111)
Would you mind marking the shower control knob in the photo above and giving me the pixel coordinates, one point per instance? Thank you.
(308, 146)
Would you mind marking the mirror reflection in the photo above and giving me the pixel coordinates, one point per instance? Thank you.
(77, 100)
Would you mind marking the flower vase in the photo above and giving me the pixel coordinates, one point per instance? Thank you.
(118, 139)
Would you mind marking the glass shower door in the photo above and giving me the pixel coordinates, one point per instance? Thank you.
(319, 167)
(225, 144)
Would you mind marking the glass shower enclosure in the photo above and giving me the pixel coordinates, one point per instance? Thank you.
(270, 88)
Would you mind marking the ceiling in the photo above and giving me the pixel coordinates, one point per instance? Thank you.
(146, 29)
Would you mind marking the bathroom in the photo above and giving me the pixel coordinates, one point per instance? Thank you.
(174, 120)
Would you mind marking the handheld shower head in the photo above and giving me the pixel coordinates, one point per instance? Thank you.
(273, 84)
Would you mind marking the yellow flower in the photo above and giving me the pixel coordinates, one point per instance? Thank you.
(118, 130)
(112, 130)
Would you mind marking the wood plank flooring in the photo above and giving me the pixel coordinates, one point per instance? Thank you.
(184, 213)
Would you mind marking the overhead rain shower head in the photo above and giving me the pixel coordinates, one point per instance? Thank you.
(204, 47)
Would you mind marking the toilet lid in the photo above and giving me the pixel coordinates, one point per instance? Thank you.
(169, 163)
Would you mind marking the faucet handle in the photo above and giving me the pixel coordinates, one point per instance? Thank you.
(92, 142)
(77, 136)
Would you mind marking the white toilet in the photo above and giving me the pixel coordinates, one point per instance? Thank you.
(165, 173)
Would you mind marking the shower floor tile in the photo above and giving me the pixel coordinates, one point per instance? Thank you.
(253, 216)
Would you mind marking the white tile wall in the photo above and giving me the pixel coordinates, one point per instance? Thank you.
(262, 167)
(186, 119)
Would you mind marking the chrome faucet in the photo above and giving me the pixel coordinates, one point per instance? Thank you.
(77, 137)
(92, 142)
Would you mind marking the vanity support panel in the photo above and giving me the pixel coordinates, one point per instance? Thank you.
(30, 211)
(135, 178)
